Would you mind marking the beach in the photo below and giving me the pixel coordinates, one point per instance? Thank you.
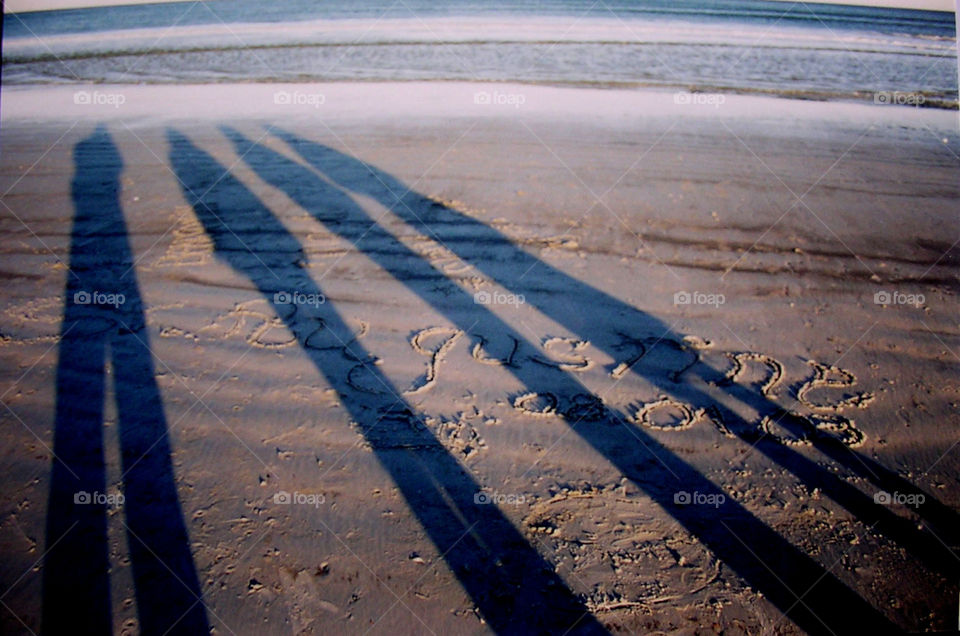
(460, 357)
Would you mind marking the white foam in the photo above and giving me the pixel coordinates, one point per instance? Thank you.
(393, 102)
(432, 30)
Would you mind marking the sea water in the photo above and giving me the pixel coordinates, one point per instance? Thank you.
(799, 50)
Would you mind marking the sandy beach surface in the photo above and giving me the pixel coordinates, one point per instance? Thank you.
(459, 358)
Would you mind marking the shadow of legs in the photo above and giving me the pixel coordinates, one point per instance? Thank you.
(104, 311)
(514, 588)
(515, 269)
(796, 584)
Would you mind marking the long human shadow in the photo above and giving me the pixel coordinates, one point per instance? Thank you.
(803, 590)
(514, 588)
(103, 322)
(495, 255)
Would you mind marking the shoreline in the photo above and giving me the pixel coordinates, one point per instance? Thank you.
(345, 101)
(909, 99)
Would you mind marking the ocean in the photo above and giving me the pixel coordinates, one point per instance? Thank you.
(801, 50)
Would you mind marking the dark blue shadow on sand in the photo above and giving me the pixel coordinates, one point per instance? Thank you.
(511, 595)
(514, 588)
(573, 304)
(103, 322)
(809, 594)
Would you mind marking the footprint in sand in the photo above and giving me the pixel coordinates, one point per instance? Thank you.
(302, 593)
(457, 435)
(826, 376)
(443, 339)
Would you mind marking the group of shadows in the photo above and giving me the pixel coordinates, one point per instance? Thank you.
(513, 586)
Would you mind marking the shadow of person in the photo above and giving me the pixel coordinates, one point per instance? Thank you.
(513, 587)
(804, 591)
(103, 322)
(550, 290)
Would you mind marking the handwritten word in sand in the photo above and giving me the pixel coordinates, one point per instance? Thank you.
(796, 413)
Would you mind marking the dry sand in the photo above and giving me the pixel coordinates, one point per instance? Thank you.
(586, 398)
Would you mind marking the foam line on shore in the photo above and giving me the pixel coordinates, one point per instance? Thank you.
(348, 102)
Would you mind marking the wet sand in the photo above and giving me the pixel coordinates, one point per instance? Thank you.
(406, 362)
